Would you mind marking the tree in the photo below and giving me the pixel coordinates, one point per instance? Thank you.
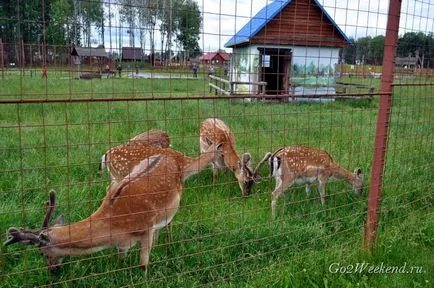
(376, 50)
(91, 13)
(128, 14)
(59, 30)
(349, 52)
(362, 49)
(189, 22)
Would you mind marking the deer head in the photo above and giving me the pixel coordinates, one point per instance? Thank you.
(244, 174)
(38, 237)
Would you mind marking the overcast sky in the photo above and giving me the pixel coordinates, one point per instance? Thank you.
(357, 18)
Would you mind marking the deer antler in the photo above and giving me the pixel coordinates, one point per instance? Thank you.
(31, 236)
(256, 176)
(49, 206)
(16, 235)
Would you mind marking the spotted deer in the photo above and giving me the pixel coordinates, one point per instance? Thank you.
(214, 130)
(303, 165)
(121, 160)
(133, 209)
(153, 138)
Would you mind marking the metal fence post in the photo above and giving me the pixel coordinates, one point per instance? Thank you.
(382, 129)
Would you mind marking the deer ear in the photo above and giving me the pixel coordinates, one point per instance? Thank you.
(246, 159)
(219, 147)
(358, 171)
(209, 142)
(59, 220)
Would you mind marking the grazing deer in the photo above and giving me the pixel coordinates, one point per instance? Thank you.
(153, 138)
(133, 209)
(304, 165)
(214, 130)
(121, 160)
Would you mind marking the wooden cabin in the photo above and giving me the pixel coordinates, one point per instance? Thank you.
(132, 54)
(89, 55)
(92, 57)
(409, 62)
(218, 58)
(287, 43)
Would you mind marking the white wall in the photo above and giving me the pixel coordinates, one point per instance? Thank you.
(310, 65)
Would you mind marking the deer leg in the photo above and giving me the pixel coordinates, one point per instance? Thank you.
(281, 186)
(156, 236)
(308, 190)
(123, 247)
(123, 252)
(145, 248)
(321, 189)
(169, 235)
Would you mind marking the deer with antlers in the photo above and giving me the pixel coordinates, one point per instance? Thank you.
(121, 160)
(133, 209)
(214, 130)
(303, 165)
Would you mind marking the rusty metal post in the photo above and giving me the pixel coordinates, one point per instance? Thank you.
(1, 59)
(381, 136)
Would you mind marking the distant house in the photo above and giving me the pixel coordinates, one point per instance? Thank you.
(91, 56)
(287, 43)
(132, 54)
(408, 62)
(87, 55)
(218, 58)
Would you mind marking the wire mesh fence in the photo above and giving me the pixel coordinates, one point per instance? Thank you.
(216, 143)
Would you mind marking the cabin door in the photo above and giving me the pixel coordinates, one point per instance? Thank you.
(274, 68)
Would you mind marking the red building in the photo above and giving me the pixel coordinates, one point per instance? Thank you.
(218, 58)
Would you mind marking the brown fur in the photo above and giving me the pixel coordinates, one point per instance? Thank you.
(214, 130)
(155, 138)
(308, 166)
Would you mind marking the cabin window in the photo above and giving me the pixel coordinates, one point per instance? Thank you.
(266, 61)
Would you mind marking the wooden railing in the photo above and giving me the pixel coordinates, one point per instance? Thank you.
(223, 86)
(219, 85)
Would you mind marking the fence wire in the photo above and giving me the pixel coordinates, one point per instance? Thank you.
(227, 81)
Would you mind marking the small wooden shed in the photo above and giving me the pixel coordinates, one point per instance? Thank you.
(287, 43)
(90, 56)
(87, 54)
(132, 54)
(218, 58)
(409, 62)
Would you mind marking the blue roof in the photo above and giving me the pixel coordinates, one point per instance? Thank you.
(264, 16)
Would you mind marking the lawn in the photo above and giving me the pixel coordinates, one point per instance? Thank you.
(221, 238)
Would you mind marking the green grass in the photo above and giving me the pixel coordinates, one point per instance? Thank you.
(221, 238)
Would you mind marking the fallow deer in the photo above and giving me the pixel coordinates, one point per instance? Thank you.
(214, 130)
(121, 160)
(133, 209)
(304, 165)
(153, 138)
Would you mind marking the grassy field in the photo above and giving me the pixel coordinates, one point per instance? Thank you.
(221, 238)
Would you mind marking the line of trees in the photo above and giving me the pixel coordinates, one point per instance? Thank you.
(369, 50)
(57, 22)
(83, 22)
(176, 20)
